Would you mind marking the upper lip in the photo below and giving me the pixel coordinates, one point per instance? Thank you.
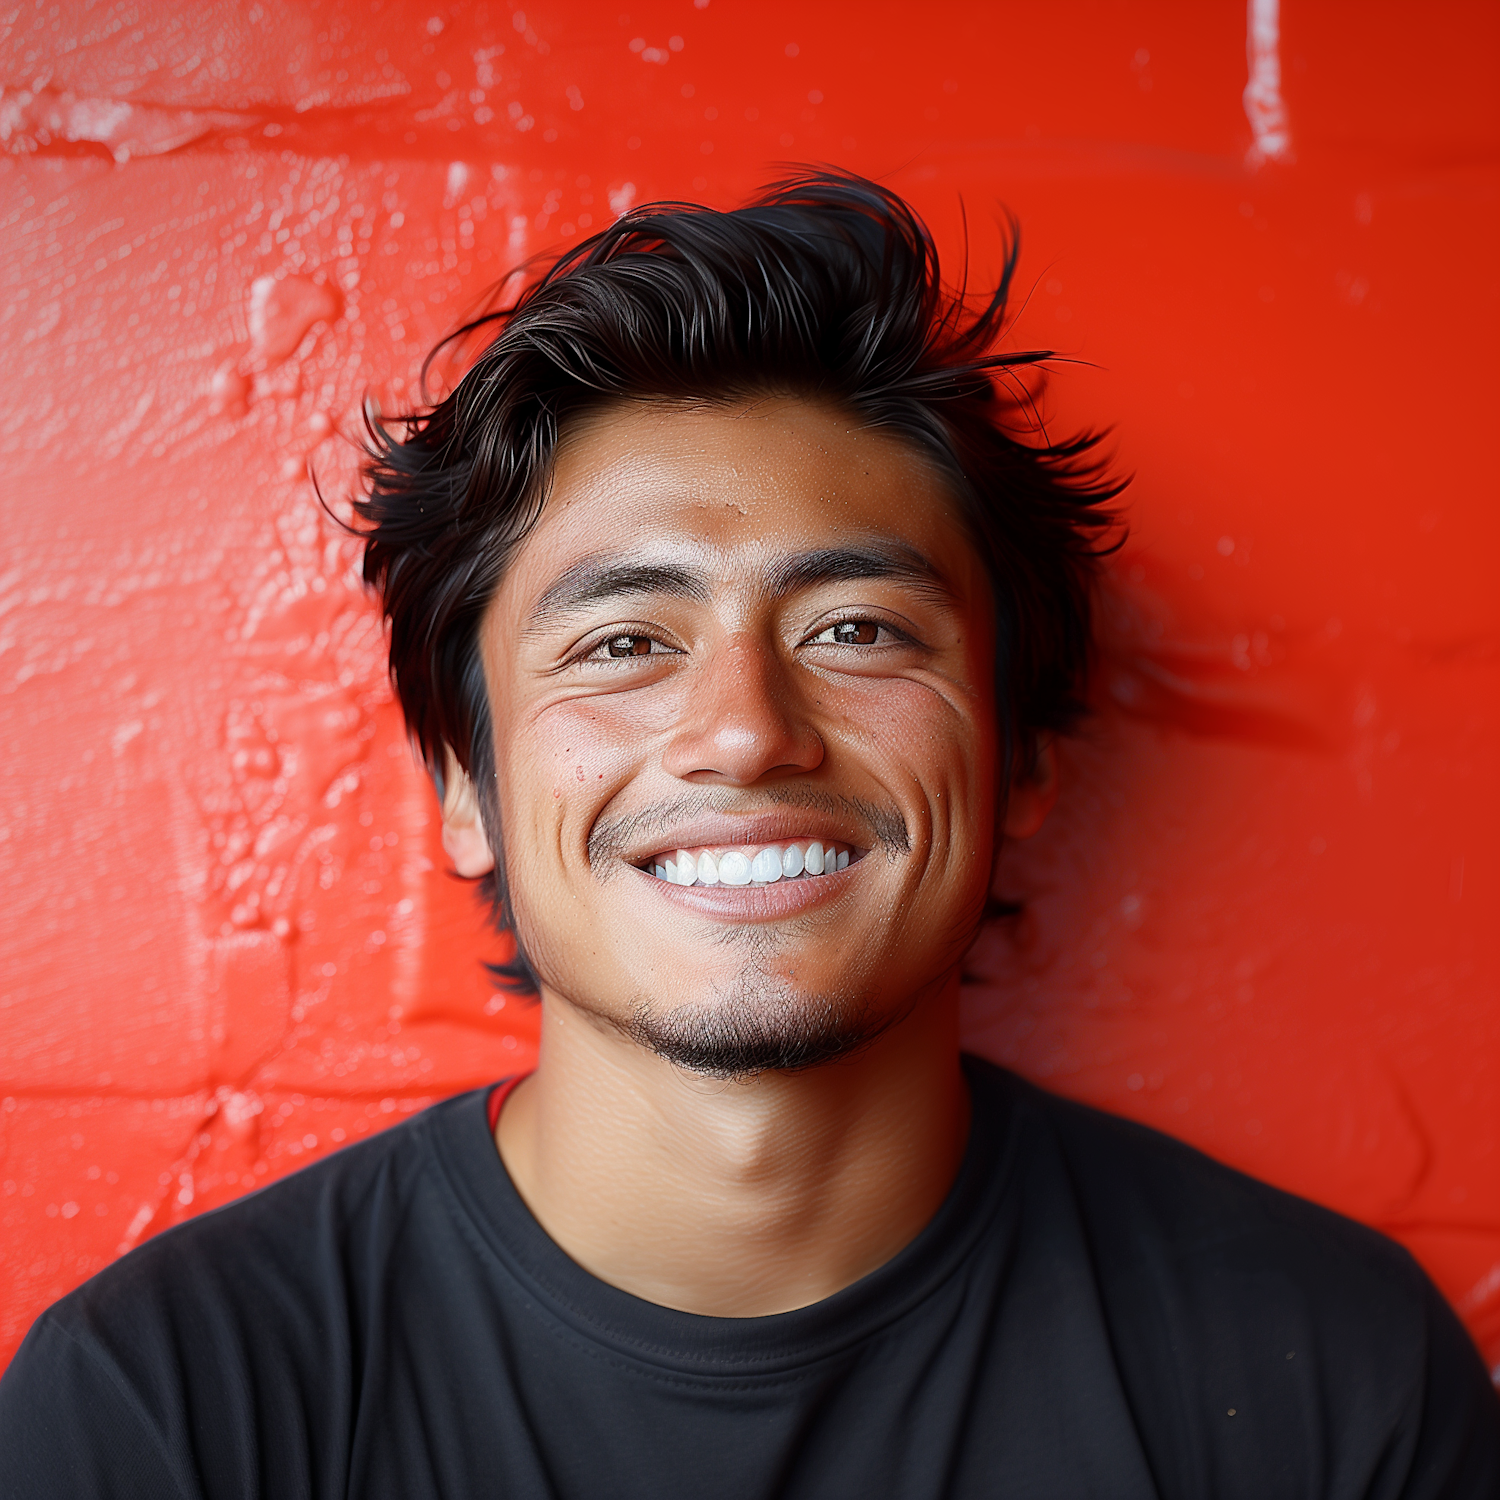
(776, 827)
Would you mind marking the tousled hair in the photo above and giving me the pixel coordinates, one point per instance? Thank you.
(825, 286)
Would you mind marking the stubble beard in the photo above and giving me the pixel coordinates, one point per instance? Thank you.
(759, 1024)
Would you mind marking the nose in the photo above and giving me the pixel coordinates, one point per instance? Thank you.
(741, 720)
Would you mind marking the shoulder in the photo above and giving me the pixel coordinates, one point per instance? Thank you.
(1248, 1314)
(276, 1253)
(189, 1350)
(1148, 1197)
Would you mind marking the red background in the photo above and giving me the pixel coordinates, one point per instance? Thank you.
(1262, 917)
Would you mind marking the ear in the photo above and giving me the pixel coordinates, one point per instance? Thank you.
(464, 840)
(1032, 795)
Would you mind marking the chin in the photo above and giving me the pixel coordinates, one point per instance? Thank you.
(760, 1024)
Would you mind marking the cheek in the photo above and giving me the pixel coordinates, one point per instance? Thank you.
(563, 764)
(941, 742)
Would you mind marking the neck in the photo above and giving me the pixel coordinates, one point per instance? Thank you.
(744, 1198)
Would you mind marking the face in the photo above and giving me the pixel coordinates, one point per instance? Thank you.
(741, 676)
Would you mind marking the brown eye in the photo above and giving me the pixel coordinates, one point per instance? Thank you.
(629, 645)
(855, 633)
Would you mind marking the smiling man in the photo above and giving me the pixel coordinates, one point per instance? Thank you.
(734, 609)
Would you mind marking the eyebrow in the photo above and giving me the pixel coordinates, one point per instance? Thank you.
(612, 577)
(609, 576)
(851, 564)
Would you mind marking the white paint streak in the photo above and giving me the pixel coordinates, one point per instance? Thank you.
(458, 180)
(1482, 1290)
(1264, 106)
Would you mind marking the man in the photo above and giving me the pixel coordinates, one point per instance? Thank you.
(734, 610)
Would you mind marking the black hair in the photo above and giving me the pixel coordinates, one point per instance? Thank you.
(825, 286)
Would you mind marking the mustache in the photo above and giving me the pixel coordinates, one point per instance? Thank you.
(611, 837)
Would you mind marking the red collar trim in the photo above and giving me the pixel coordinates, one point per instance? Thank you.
(498, 1095)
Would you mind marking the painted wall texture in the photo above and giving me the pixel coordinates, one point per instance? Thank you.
(1264, 915)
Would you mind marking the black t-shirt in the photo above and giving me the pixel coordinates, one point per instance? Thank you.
(1095, 1310)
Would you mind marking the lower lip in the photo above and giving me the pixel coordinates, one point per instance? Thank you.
(756, 903)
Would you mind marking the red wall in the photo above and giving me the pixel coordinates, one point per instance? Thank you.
(1263, 916)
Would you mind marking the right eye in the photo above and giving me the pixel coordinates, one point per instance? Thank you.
(629, 645)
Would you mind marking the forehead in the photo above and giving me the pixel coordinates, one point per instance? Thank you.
(738, 486)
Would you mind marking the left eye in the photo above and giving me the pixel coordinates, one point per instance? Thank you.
(849, 633)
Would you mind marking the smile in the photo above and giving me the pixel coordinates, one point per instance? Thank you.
(749, 864)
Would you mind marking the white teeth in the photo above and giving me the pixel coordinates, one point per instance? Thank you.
(763, 866)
